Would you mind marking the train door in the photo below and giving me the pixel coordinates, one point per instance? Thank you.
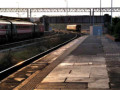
(14, 32)
(8, 32)
(34, 28)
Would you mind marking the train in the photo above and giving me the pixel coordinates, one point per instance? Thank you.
(11, 30)
(74, 27)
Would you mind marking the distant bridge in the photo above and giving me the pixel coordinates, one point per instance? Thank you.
(29, 11)
(84, 19)
(75, 19)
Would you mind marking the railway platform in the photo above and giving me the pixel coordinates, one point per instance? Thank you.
(89, 62)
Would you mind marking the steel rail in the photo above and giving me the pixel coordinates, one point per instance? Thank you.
(5, 47)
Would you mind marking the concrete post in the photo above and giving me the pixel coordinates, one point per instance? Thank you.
(111, 10)
(90, 16)
(27, 13)
(93, 16)
(100, 11)
(46, 23)
(30, 13)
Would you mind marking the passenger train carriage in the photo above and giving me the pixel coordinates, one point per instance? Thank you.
(14, 30)
(4, 30)
(23, 29)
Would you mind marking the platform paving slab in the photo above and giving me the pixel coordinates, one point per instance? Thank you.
(62, 85)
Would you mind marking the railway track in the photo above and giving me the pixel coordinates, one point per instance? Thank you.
(15, 45)
(12, 69)
(26, 41)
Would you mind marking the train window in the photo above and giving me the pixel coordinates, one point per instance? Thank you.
(17, 27)
(23, 27)
(6, 27)
(3, 27)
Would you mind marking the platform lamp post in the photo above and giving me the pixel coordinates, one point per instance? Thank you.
(111, 10)
(18, 8)
(100, 7)
(66, 7)
(100, 10)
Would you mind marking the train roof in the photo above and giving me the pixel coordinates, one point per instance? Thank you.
(15, 22)
(72, 25)
(22, 22)
(4, 22)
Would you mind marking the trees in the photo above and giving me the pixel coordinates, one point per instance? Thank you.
(114, 29)
(117, 31)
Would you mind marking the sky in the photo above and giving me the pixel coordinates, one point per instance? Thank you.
(56, 3)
